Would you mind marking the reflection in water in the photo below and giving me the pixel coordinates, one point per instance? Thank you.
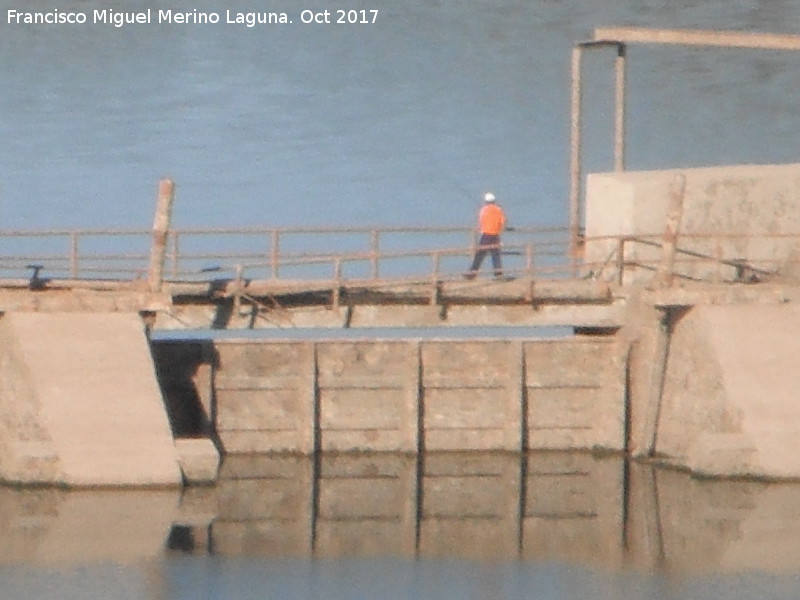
(575, 508)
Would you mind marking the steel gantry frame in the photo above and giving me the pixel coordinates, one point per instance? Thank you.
(619, 38)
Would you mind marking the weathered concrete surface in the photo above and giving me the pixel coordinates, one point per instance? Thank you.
(205, 316)
(412, 395)
(575, 393)
(265, 396)
(368, 396)
(80, 404)
(747, 203)
(472, 395)
(729, 405)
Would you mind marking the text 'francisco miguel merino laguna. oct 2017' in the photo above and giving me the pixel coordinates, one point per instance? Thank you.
(340, 16)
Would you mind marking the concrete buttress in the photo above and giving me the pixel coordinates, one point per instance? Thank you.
(80, 404)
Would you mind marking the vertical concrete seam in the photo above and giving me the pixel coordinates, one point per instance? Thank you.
(515, 393)
(656, 385)
(523, 398)
(420, 399)
(316, 409)
(410, 441)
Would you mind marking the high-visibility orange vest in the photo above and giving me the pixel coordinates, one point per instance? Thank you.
(492, 220)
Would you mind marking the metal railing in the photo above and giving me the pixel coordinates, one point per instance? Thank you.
(378, 253)
(266, 253)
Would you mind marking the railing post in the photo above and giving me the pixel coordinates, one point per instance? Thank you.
(175, 252)
(161, 223)
(529, 260)
(237, 296)
(435, 267)
(337, 277)
(374, 246)
(73, 255)
(274, 252)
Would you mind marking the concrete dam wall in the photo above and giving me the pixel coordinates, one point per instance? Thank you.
(402, 396)
(86, 401)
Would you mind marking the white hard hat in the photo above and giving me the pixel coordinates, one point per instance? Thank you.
(489, 197)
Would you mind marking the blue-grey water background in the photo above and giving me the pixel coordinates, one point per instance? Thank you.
(380, 124)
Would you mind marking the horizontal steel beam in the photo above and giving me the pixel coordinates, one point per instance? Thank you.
(697, 37)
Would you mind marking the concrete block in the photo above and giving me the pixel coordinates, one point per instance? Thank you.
(199, 460)
(81, 387)
(575, 390)
(265, 396)
(729, 404)
(368, 395)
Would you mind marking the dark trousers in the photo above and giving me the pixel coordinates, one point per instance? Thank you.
(489, 244)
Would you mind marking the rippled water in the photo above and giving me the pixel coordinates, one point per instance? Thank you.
(402, 122)
(541, 525)
(399, 122)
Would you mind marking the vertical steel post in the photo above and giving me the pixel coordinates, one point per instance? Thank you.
(619, 108)
(575, 155)
(161, 224)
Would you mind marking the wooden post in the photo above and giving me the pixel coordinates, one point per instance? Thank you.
(374, 247)
(73, 255)
(161, 223)
(664, 274)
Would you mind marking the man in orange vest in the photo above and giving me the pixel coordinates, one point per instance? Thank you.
(491, 221)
